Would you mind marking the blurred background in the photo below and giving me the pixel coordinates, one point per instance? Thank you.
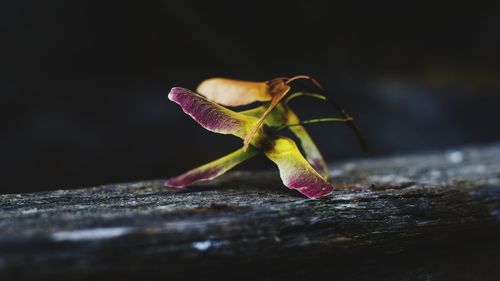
(84, 84)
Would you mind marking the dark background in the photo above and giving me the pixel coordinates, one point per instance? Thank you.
(83, 85)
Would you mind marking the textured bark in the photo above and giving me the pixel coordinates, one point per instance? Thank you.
(419, 217)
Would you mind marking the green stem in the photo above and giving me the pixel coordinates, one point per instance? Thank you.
(348, 119)
(298, 94)
(318, 120)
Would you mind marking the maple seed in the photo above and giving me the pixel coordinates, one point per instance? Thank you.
(307, 175)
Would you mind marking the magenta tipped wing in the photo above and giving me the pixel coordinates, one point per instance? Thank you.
(211, 170)
(295, 171)
(311, 151)
(211, 116)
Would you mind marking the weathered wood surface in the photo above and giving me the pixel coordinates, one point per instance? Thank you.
(423, 217)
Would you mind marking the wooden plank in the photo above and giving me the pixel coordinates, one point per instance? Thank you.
(415, 217)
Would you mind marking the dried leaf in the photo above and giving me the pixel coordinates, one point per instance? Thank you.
(231, 92)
